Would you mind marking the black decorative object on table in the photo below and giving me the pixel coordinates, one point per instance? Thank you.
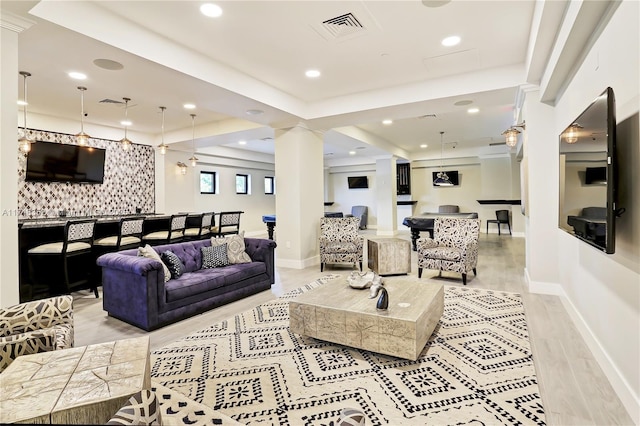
(383, 301)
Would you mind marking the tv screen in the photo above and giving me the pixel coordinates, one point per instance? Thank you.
(56, 162)
(587, 146)
(451, 174)
(357, 182)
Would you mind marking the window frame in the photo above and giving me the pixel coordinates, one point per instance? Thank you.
(246, 184)
(214, 182)
(273, 185)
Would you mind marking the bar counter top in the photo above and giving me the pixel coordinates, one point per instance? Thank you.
(60, 221)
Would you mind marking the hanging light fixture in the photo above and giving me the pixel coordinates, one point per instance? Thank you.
(511, 134)
(193, 159)
(441, 178)
(82, 138)
(126, 143)
(182, 167)
(24, 143)
(571, 134)
(163, 147)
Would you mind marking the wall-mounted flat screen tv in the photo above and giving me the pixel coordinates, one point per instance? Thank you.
(355, 182)
(587, 148)
(452, 176)
(56, 162)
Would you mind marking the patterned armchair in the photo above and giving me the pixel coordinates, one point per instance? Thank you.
(339, 241)
(33, 327)
(454, 246)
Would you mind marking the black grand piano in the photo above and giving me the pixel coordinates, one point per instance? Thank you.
(424, 222)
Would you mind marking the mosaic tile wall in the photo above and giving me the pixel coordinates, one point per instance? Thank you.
(128, 183)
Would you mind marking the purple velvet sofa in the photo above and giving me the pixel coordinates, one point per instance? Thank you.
(134, 290)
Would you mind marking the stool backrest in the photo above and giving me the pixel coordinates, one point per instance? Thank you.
(130, 227)
(502, 216)
(178, 222)
(229, 223)
(207, 220)
(76, 231)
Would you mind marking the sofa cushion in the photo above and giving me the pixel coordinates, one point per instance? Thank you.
(173, 262)
(235, 247)
(243, 271)
(148, 252)
(214, 256)
(195, 283)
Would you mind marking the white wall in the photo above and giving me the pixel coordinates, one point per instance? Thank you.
(601, 292)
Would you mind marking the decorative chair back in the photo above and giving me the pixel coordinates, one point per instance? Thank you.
(455, 232)
(131, 226)
(229, 223)
(502, 216)
(78, 231)
(207, 219)
(178, 222)
(339, 228)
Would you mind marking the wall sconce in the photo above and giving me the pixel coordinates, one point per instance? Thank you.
(183, 168)
(511, 134)
(571, 133)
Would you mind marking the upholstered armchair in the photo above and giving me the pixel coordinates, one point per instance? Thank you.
(361, 212)
(339, 241)
(33, 327)
(454, 246)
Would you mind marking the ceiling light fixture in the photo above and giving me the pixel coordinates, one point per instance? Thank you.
(387, 122)
(451, 41)
(211, 10)
(511, 134)
(162, 147)
(473, 110)
(312, 73)
(189, 106)
(77, 75)
(571, 134)
(254, 111)
(183, 168)
(82, 138)
(424, 145)
(24, 143)
(193, 159)
(126, 143)
(441, 178)
(242, 142)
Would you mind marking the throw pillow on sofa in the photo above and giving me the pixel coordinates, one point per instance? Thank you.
(148, 252)
(174, 263)
(214, 256)
(235, 248)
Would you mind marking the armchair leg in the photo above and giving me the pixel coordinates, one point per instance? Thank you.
(419, 272)
(474, 272)
(361, 266)
(464, 279)
(321, 266)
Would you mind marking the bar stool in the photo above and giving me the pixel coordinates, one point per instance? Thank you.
(201, 227)
(129, 236)
(77, 242)
(228, 223)
(174, 233)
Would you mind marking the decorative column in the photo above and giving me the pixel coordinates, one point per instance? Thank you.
(386, 196)
(299, 196)
(11, 25)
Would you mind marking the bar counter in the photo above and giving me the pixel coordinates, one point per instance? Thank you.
(33, 232)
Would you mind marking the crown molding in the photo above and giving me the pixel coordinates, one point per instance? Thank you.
(13, 22)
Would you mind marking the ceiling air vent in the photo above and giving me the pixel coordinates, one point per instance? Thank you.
(427, 116)
(343, 25)
(110, 101)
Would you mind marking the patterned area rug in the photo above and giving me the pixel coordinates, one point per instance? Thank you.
(477, 368)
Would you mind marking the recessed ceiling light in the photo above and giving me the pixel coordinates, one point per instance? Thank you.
(211, 10)
(312, 73)
(189, 106)
(424, 145)
(126, 123)
(254, 111)
(451, 41)
(242, 142)
(473, 110)
(77, 75)
(352, 153)
(387, 122)
(108, 64)
(22, 103)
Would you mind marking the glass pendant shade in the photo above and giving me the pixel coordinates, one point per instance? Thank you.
(193, 159)
(24, 143)
(82, 138)
(511, 137)
(125, 142)
(572, 133)
(163, 147)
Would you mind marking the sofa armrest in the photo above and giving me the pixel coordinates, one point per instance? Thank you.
(137, 265)
(262, 250)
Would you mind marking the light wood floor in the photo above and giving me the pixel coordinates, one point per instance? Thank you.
(574, 389)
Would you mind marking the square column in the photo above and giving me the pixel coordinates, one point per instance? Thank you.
(386, 196)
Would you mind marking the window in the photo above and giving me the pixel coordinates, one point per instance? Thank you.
(207, 182)
(242, 184)
(269, 185)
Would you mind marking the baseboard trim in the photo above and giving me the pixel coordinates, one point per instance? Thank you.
(297, 264)
(616, 379)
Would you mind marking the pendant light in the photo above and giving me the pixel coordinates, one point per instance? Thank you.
(24, 143)
(193, 159)
(441, 178)
(82, 138)
(163, 147)
(126, 143)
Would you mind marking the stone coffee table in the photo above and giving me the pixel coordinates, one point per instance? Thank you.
(84, 385)
(340, 314)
